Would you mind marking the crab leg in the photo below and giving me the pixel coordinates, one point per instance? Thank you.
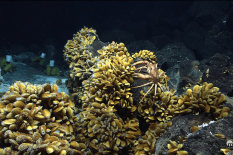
(160, 86)
(147, 92)
(163, 73)
(142, 85)
(152, 75)
(143, 67)
(155, 88)
(140, 63)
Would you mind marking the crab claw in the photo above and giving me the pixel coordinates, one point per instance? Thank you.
(140, 62)
(142, 76)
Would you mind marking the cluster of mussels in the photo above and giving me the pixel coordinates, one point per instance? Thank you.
(166, 105)
(106, 99)
(37, 119)
(107, 122)
(80, 61)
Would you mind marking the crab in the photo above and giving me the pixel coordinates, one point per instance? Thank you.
(152, 75)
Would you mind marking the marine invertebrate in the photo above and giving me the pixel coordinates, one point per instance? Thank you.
(220, 136)
(37, 119)
(166, 105)
(161, 107)
(106, 93)
(153, 76)
(203, 98)
(111, 79)
(174, 148)
(146, 144)
(106, 132)
(226, 151)
(145, 55)
(194, 128)
(80, 61)
(77, 55)
(107, 124)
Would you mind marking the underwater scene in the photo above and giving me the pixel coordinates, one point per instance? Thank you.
(116, 78)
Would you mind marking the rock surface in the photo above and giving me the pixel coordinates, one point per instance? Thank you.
(202, 141)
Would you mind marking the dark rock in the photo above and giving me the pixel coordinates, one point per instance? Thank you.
(140, 30)
(209, 49)
(161, 41)
(136, 91)
(117, 35)
(188, 71)
(203, 66)
(206, 21)
(220, 72)
(95, 46)
(203, 140)
(194, 36)
(177, 36)
(136, 46)
(183, 73)
(207, 14)
(229, 21)
(220, 42)
(173, 54)
(175, 81)
(214, 9)
(224, 38)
